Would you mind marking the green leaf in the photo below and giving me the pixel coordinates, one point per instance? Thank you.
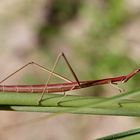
(126, 104)
(133, 134)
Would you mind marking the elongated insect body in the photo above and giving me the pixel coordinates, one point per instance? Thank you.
(38, 88)
(59, 87)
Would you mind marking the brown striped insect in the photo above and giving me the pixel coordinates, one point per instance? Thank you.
(60, 87)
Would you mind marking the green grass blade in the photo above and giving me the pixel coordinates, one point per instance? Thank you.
(116, 105)
(133, 134)
(117, 99)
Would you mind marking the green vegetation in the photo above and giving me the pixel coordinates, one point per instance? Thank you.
(123, 104)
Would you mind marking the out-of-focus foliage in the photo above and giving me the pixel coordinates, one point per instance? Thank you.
(61, 12)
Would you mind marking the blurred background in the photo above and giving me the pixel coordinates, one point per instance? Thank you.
(101, 38)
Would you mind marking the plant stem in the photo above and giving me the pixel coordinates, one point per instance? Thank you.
(54, 103)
